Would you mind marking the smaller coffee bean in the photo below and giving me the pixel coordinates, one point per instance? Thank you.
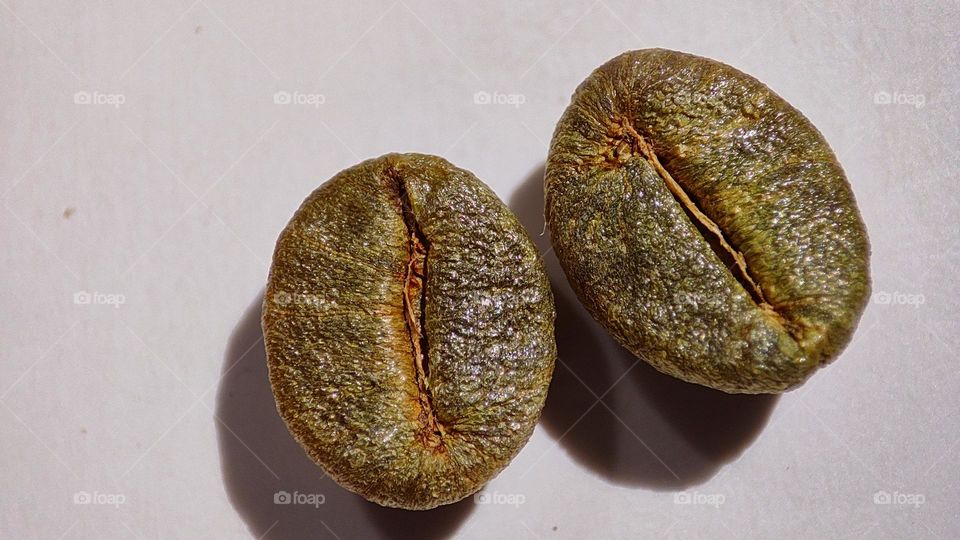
(408, 322)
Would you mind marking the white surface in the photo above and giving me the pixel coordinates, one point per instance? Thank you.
(179, 193)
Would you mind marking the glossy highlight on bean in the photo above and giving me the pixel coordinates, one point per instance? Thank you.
(408, 322)
(706, 223)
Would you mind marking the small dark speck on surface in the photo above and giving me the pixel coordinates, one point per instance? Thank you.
(554, 527)
(69, 211)
(198, 30)
(83, 430)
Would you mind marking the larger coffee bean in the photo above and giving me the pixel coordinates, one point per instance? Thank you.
(706, 223)
(409, 331)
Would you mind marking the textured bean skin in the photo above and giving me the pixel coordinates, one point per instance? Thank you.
(338, 335)
(750, 163)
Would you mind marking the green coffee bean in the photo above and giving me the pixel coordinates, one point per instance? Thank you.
(409, 331)
(706, 223)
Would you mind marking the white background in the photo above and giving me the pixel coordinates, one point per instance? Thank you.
(172, 201)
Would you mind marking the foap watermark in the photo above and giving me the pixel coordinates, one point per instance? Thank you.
(308, 499)
(883, 97)
(495, 497)
(299, 299)
(696, 498)
(99, 98)
(886, 498)
(96, 298)
(482, 97)
(284, 97)
(100, 499)
(897, 298)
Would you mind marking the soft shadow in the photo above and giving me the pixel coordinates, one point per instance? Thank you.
(650, 429)
(259, 458)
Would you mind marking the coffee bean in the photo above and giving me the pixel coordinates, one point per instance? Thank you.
(409, 331)
(706, 223)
